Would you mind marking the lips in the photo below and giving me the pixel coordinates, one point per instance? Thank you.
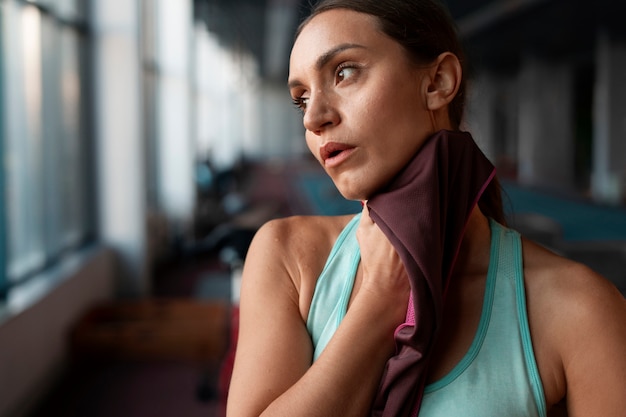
(332, 151)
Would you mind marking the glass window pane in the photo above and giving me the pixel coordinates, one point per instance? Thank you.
(74, 186)
(52, 164)
(3, 282)
(23, 81)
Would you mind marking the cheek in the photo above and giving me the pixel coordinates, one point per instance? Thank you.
(402, 123)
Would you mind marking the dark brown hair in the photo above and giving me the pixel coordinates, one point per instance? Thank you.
(425, 29)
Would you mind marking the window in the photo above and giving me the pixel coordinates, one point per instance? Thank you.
(46, 175)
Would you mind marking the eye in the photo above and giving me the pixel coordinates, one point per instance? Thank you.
(300, 103)
(344, 72)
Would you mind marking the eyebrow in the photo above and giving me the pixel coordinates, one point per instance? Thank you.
(323, 59)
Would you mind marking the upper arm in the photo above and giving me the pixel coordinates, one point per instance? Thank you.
(274, 349)
(593, 347)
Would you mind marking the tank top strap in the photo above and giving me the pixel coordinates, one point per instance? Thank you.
(511, 261)
(516, 255)
(334, 287)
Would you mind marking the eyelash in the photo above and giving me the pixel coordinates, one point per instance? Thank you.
(299, 103)
(344, 66)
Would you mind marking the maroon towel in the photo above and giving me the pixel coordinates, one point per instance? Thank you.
(424, 212)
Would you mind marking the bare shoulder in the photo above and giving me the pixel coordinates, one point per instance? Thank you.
(298, 240)
(295, 231)
(569, 286)
(294, 248)
(578, 325)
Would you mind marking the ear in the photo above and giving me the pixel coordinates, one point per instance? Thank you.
(444, 81)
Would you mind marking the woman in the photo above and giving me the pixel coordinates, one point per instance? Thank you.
(327, 303)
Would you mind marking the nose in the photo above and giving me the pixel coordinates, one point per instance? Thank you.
(320, 114)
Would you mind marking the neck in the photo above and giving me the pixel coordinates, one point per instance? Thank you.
(475, 246)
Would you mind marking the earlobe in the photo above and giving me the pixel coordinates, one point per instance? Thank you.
(444, 81)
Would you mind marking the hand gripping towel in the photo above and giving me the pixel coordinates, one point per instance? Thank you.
(423, 212)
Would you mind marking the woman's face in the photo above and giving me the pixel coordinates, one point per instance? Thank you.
(363, 100)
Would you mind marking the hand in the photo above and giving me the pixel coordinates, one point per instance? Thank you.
(383, 271)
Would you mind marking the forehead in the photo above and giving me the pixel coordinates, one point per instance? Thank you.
(334, 27)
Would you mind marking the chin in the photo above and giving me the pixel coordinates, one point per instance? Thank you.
(358, 187)
(354, 193)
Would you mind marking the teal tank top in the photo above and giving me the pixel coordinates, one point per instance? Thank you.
(498, 376)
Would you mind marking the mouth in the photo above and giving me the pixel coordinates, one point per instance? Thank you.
(334, 152)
